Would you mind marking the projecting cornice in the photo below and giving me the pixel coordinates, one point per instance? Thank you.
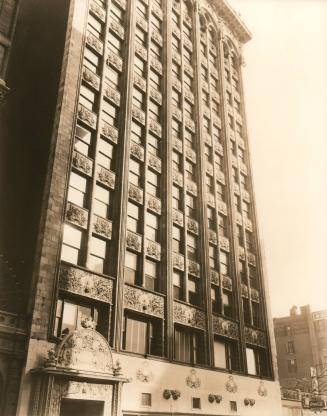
(232, 19)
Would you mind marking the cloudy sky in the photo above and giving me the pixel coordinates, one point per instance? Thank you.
(286, 98)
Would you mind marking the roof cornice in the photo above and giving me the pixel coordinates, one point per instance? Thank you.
(233, 20)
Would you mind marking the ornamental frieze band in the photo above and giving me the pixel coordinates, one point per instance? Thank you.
(224, 327)
(141, 301)
(187, 315)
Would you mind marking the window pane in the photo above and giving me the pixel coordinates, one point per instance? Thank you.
(136, 336)
(220, 354)
(250, 360)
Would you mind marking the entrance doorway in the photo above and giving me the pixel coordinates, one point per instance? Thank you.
(72, 407)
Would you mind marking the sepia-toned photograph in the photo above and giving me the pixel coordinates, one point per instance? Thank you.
(163, 212)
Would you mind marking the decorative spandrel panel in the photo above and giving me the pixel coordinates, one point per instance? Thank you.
(83, 283)
(142, 301)
(225, 327)
(255, 337)
(187, 315)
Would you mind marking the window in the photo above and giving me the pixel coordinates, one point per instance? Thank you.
(175, 18)
(231, 122)
(87, 97)
(98, 248)
(237, 203)
(242, 268)
(71, 245)
(142, 335)
(177, 239)
(82, 140)
(135, 172)
(291, 366)
(256, 314)
(131, 267)
(133, 217)
(246, 209)
(70, 314)
(216, 132)
(177, 161)
(176, 97)
(138, 98)
(152, 226)
(227, 303)
(116, 13)
(115, 44)
(188, 345)
(110, 113)
(235, 174)
(240, 235)
(196, 403)
(176, 128)
(137, 133)
(151, 270)
(141, 36)
(206, 124)
(209, 182)
(155, 80)
(226, 354)
(211, 218)
(205, 98)
(220, 354)
(246, 311)
(105, 156)
(156, 23)
(215, 106)
(91, 60)
(155, 51)
(220, 191)
(188, 59)
(257, 362)
(190, 206)
(224, 263)
(204, 73)
(249, 241)
(77, 189)
(191, 247)
(155, 111)
(188, 80)
(139, 66)
(177, 198)
(233, 406)
(178, 285)
(215, 300)
(250, 361)
(212, 256)
(207, 153)
(188, 109)
(152, 183)
(193, 291)
(176, 45)
(141, 9)
(290, 347)
(243, 181)
(189, 139)
(146, 399)
(253, 277)
(101, 201)
(94, 26)
(222, 225)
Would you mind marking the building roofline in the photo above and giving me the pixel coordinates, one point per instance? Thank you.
(233, 19)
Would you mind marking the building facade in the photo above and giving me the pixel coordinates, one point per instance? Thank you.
(301, 342)
(148, 294)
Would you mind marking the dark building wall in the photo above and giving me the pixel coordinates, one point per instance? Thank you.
(25, 127)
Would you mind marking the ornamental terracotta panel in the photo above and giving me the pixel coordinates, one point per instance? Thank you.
(248, 225)
(142, 23)
(188, 94)
(98, 11)
(176, 84)
(156, 65)
(255, 295)
(221, 177)
(91, 78)
(236, 188)
(255, 337)
(190, 154)
(94, 43)
(102, 227)
(209, 169)
(244, 291)
(156, 95)
(188, 44)
(241, 143)
(141, 51)
(135, 193)
(188, 69)
(213, 237)
(190, 124)
(243, 168)
(205, 86)
(177, 144)
(154, 204)
(234, 160)
(86, 116)
(156, 36)
(115, 60)
(219, 148)
(239, 219)
(234, 73)
(82, 163)
(192, 226)
(222, 207)
(207, 112)
(134, 241)
(214, 72)
(122, 3)
(224, 243)
(177, 178)
(137, 151)
(245, 195)
(252, 259)
(237, 96)
(154, 163)
(194, 268)
(241, 253)
(83, 283)
(106, 177)
(177, 114)
(214, 277)
(141, 301)
(138, 114)
(77, 215)
(178, 261)
(117, 28)
(157, 11)
(139, 82)
(227, 283)
(176, 57)
(215, 96)
(109, 132)
(187, 315)
(211, 200)
(155, 127)
(178, 217)
(225, 327)
(112, 95)
(191, 187)
(153, 249)
(176, 31)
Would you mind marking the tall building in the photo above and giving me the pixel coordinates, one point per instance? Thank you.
(148, 294)
(301, 342)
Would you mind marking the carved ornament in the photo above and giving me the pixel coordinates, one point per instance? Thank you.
(255, 295)
(178, 217)
(86, 116)
(177, 113)
(83, 390)
(117, 28)
(227, 283)
(194, 268)
(178, 261)
(139, 82)
(224, 243)
(112, 95)
(134, 241)
(110, 132)
(187, 315)
(176, 31)
(255, 337)
(82, 163)
(231, 385)
(157, 37)
(77, 215)
(143, 373)
(157, 65)
(153, 249)
(222, 207)
(239, 218)
(262, 390)
(189, 95)
(192, 380)
(98, 11)
(102, 227)
(215, 398)
(191, 188)
(106, 177)
(138, 114)
(209, 169)
(190, 154)
(94, 42)
(156, 95)
(137, 151)
(91, 78)
(155, 163)
(251, 258)
(192, 226)
(214, 277)
(157, 11)
(213, 237)
(141, 22)
(211, 200)
(141, 301)
(177, 178)
(155, 127)
(176, 84)
(84, 283)
(244, 291)
(154, 204)
(177, 144)
(221, 177)
(225, 327)
(141, 51)
(135, 193)
(115, 60)
(248, 224)
(190, 124)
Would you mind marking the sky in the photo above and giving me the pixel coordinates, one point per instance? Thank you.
(285, 82)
